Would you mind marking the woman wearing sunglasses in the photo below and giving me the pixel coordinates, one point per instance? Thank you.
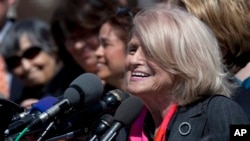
(30, 55)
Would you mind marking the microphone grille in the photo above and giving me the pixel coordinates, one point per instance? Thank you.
(87, 88)
(129, 109)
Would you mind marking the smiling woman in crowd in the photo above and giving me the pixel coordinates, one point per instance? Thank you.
(30, 54)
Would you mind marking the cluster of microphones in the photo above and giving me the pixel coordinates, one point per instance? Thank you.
(83, 110)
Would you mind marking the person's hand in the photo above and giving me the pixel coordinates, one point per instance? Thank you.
(28, 102)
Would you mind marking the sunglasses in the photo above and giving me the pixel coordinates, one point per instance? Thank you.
(30, 53)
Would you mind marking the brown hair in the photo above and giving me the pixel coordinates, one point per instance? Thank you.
(121, 20)
(230, 21)
(87, 15)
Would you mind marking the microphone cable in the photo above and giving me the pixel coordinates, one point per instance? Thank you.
(66, 136)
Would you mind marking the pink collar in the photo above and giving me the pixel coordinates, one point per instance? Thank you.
(136, 131)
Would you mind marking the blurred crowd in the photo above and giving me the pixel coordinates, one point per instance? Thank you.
(187, 52)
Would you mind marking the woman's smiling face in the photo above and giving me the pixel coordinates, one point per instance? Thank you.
(38, 68)
(144, 76)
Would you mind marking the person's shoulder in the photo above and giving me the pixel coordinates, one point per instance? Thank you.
(225, 108)
(222, 101)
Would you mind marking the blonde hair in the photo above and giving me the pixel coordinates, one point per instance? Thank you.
(184, 47)
(230, 21)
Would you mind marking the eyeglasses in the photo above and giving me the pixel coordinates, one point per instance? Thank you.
(30, 53)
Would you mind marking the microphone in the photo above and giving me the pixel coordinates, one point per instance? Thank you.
(20, 115)
(104, 123)
(85, 89)
(126, 113)
(42, 105)
(8, 108)
(109, 102)
(23, 119)
(67, 136)
(13, 108)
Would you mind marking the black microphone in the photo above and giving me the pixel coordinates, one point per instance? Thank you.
(126, 113)
(103, 124)
(42, 105)
(8, 108)
(101, 127)
(85, 89)
(21, 115)
(67, 136)
(23, 119)
(108, 103)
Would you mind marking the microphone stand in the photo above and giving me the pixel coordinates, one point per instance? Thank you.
(66, 136)
(94, 138)
(51, 124)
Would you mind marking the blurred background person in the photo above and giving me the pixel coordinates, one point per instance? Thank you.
(30, 54)
(113, 38)
(41, 9)
(233, 34)
(4, 21)
(174, 65)
(75, 26)
(8, 83)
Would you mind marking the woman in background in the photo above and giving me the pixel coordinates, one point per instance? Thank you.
(31, 55)
(113, 38)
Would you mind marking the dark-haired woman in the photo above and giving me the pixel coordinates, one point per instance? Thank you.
(29, 54)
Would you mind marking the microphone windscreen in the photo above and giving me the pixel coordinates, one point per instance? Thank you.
(43, 104)
(73, 96)
(89, 87)
(128, 111)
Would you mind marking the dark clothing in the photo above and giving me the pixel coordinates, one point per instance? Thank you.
(16, 88)
(208, 119)
(242, 97)
(33, 92)
(56, 87)
(62, 79)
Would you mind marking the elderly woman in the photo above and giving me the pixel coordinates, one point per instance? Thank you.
(174, 65)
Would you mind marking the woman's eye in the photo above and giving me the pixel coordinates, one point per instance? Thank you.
(105, 45)
(131, 49)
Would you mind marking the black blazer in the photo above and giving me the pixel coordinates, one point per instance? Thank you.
(242, 97)
(208, 119)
